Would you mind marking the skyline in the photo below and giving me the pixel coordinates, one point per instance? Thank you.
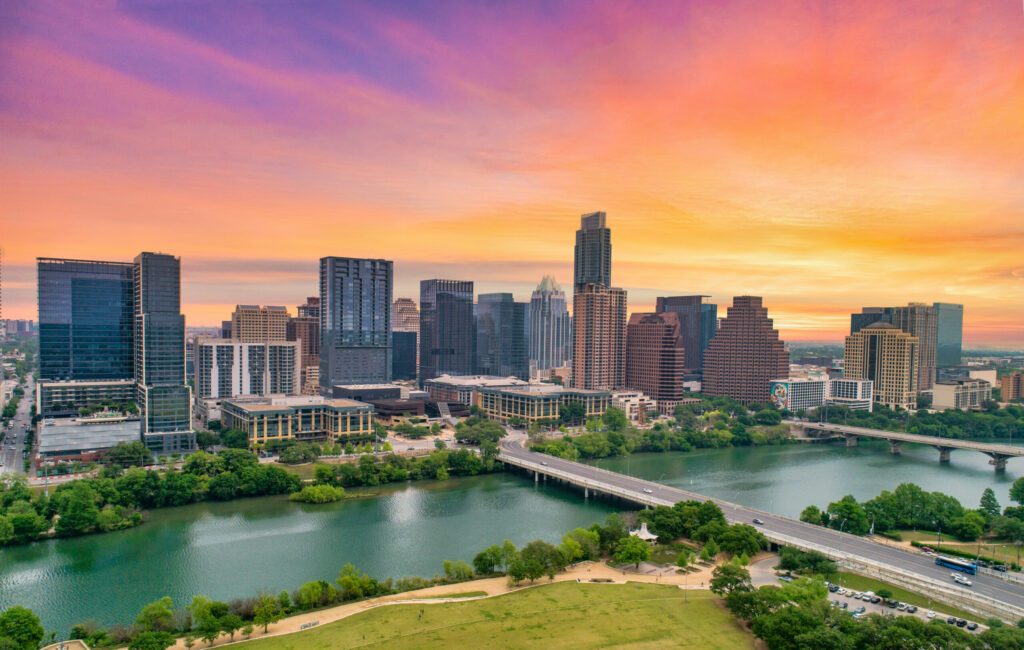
(880, 169)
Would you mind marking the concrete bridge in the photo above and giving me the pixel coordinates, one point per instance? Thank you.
(998, 454)
(990, 596)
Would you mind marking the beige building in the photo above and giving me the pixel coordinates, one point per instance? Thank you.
(599, 344)
(962, 394)
(1012, 387)
(887, 356)
(256, 324)
(922, 321)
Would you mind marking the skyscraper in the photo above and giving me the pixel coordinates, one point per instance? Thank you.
(549, 328)
(950, 336)
(405, 317)
(164, 399)
(403, 355)
(870, 316)
(887, 356)
(699, 322)
(306, 329)
(593, 255)
(311, 309)
(86, 320)
(447, 331)
(656, 358)
(599, 341)
(256, 324)
(922, 321)
(355, 321)
(745, 355)
(501, 336)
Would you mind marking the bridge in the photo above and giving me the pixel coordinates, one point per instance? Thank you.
(998, 453)
(990, 596)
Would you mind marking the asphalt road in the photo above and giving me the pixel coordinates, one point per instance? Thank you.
(916, 563)
(14, 437)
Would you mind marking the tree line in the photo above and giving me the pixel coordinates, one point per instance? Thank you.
(991, 422)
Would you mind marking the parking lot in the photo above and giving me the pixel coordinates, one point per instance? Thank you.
(853, 602)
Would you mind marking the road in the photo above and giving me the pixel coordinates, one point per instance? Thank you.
(934, 441)
(915, 563)
(14, 437)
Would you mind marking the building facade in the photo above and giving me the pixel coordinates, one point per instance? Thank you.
(447, 330)
(539, 402)
(355, 321)
(311, 309)
(920, 320)
(403, 355)
(599, 338)
(887, 356)
(961, 394)
(854, 394)
(164, 399)
(549, 328)
(798, 394)
(501, 336)
(593, 253)
(306, 331)
(227, 369)
(1012, 387)
(870, 316)
(305, 419)
(258, 324)
(655, 358)
(699, 323)
(635, 404)
(463, 389)
(950, 335)
(405, 317)
(59, 399)
(745, 354)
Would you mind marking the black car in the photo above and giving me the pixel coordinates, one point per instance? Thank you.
(972, 626)
(911, 609)
(876, 599)
(1000, 567)
(891, 603)
(833, 588)
(951, 620)
(961, 622)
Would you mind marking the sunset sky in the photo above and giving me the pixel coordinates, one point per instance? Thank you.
(825, 155)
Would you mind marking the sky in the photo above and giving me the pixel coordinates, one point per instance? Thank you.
(824, 155)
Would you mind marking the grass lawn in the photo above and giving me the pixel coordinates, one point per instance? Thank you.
(861, 583)
(461, 594)
(560, 615)
(1002, 550)
(305, 472)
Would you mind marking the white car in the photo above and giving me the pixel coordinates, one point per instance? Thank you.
(930, 614)
(648, 491)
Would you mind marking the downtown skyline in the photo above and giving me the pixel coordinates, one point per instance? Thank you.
(882, 168)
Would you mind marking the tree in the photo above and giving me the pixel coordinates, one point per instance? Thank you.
(684, 559)
(488, 560)
(1017, 491)
(128, 454)
(235, 439)
(709, 551)
(541, 558)
(266, 611)
(989, 506)
(730, 577)
(615, 419)
(812, 515)
(157, 616)
(152, 640)
(231, 624)
(632, 550)
(439, 444)
(22, 626)
(848, 515)
(78, 511)
(968, 527)
(741, 539)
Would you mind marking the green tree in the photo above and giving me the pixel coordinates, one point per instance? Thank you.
(812, 515)
(157, 616)
(230, 624)
(730, 577)
(78, 511)
(152, 640)
(968, 527)
(632, 550)
(128, 454)
(741, 539)
(848, 515)
(989, 506)
(709, 551)
(266, 611)
(22, 627)
(1017, 491)
(684, 558)
(488, 560)
(541, 558)
(615, 419)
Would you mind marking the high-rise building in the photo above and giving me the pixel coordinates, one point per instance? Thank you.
(887, 356)
(950, 336)
(225, 329)
(599, 340)
(257, 324)
(405, 317)
(549, 329)
(226, 369)
(964, 394)
(306, 330)
(355, 321)
(593, 255)
(403, 355)
(447, 331)
(501, 336)
(745, 354)
(164, 399)
(870, 316)
(699, 322)
(86, 320)
(1012, 387)
(922, 321)
(656, 358)
(311, 309)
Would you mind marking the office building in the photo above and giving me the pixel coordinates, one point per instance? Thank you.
(539, 402)
(355, 321)
(256, 324)
(463, 389)
(655, 358)
(84, 438)
(635, 404)
(599, 338)
(403, 355)
(501, 336)
(302, 419)
(798, 394)
(311, 309)
(164, 399)
(1012, 387)
(61, 399)
(920, 320)
(405, 317)
(86, 312)
(306, 331)
(447, 330)
(870, 316)
(226, 369)
(745, 354)
(950, 334)
(225, 329)
(593, 253)
(699, 322)
(961, 394)
(549, 328)
(886, 355)
(854, 394)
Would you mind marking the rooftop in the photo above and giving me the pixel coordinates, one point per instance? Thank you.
(73, 434)
(477, 381)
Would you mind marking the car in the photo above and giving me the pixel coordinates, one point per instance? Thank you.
(758, 522)
(1000, 567)
(786, 578)
(844, 605)
(648, 491)
(930, 614)
(951, 620)
(902, 607)
(965, 582)
(961, 622)
(876, 599)
(833, 588)
(911, 609)
(544, 462)
(860, 610)
(858, 615)
(972, 626)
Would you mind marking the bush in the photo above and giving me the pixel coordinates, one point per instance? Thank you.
(319, 494)
(302, 452)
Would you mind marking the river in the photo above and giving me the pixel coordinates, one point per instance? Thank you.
(235, 549)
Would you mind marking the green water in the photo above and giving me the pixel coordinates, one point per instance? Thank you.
(228, 550)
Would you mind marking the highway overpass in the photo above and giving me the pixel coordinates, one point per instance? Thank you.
(991, 595)
(997, 453)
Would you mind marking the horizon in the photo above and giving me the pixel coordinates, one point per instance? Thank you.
(881, 166)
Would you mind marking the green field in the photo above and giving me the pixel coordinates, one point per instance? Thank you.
(461, 594)
(561, 615)
(860, 583)
(1000, 549)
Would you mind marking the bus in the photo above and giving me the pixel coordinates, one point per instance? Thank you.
(958, 565)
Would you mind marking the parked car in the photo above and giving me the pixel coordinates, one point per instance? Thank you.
(951, 620)
(911, 609)
(758, 522)
(876, 599)
(961, 622)
(972, 626)
(930, 614)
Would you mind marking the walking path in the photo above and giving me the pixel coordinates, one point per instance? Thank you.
(582, 572)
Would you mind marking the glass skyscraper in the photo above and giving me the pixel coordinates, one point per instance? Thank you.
(355, 321)
(447, 332)
(85, 320)
(699, 322)
(949, 351)
(501, 336)
(550, 329)
(593, 253)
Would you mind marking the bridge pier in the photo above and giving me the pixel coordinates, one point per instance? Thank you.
(944, 453)
(586, 493)
(895, 447)
(536, 477)
(851, 440)
(998, 462)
